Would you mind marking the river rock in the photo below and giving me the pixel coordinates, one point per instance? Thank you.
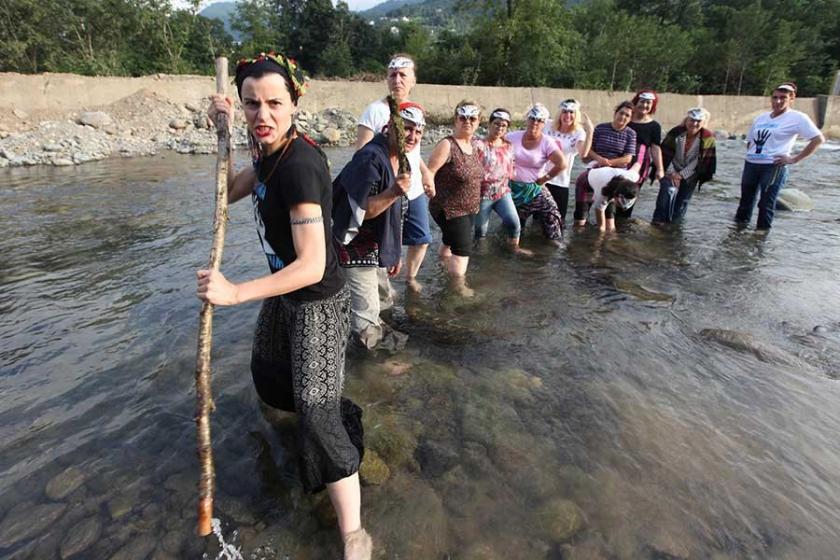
(721, 135)
(21, 114)
(26, 520)
(411, 516)
(665, 547)
(162, 555)
(560, 519)
(81, 536)
(373, 470)
(392, 442)
(172, 541)
(331, 135)
(481, 551)
(794, 200)
(96, 119)
(240, 511)
(138, 549)
(178, 124)
(64, 483)
(435, 458)
(745, 342)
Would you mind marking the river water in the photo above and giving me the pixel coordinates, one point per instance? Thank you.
(650, 394)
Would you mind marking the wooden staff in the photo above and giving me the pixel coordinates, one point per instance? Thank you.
(399, 130)
(203, 396)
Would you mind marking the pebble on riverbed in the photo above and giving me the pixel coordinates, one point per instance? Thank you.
(64, 483)
(26, 520)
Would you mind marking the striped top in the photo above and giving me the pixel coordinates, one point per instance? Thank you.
(611, 143)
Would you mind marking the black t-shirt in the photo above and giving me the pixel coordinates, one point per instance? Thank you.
(649, 133)
(300, 176)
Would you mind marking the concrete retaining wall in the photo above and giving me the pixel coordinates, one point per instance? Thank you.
(68, 92)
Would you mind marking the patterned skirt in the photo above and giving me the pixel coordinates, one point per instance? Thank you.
(297, 363)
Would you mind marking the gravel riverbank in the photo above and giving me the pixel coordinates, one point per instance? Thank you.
(144, 124)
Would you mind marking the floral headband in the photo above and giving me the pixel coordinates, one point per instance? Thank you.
(538, 112)
(413, 112)
(697, 114)
(273, 62)
(569, 105)
(467, 111)
(399, 62)
(504, 115)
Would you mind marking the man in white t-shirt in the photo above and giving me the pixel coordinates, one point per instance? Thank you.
(769, 143)
(416, 230)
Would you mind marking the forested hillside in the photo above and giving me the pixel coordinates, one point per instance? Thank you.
(690, 46)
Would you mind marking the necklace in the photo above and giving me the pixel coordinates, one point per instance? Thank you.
(289, 137)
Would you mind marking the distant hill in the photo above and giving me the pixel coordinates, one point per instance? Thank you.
(223, 12)
(434, 14)
(388, 6)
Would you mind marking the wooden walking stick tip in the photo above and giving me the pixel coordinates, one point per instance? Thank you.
(205, 516)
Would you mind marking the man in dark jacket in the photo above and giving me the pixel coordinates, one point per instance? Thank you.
(368, 208)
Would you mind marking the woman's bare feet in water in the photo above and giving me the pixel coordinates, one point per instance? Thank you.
(459, 284)
(513, 244)
(358, 545)
(413, 285)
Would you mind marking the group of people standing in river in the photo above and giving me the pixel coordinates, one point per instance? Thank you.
(331, 245)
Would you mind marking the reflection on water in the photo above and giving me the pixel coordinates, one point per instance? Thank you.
(650, 394)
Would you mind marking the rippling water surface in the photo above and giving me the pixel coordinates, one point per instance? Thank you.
(654, 394)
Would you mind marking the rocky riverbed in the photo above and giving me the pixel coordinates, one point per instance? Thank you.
(144, 124)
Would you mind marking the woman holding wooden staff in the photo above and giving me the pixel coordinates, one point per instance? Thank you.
(297, 361)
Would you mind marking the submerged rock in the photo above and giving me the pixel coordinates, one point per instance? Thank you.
(80, 537)
(794, 200)
(560, 519)
(394, 444)
(373, 470)
(435, 458)
(640, 292)
(27, 520)
(410, 516)
(64, 483)
(745, 342)
(137, 549)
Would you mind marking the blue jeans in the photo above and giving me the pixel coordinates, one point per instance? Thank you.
(416, 230)
(766, 180)
(506, 210)
(672, 201)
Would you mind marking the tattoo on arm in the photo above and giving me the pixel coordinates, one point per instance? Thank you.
(307, 220)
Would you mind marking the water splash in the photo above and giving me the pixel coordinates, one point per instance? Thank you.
(228, 551)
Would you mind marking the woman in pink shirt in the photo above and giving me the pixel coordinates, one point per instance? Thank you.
(532, 150)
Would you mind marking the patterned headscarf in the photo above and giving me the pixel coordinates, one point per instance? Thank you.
(273, 62)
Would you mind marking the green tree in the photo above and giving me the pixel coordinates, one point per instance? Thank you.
(260, 24)
(527, 42)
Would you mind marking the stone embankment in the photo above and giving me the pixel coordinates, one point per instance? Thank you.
(146, 123)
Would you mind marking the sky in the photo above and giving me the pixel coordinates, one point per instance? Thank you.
(354, 4)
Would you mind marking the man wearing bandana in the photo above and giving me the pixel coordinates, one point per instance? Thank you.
(768, 158)
(369, 202)
(417, 233)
